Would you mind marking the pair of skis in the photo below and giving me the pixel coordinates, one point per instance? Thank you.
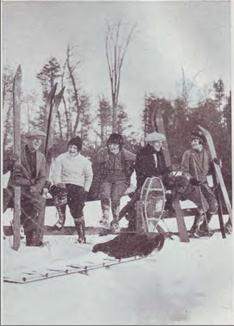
(158, 125)
(53, 102)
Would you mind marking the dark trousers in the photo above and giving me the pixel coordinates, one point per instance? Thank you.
(75, 200)
(32, 205)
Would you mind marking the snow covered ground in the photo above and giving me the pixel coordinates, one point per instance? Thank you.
(184, 283)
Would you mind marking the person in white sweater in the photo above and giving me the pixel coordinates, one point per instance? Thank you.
(73, 172)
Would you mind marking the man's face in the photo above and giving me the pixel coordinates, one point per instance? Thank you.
(72, 150)
(114, 148)
(34, 143)
(195, 143)
(157, 145)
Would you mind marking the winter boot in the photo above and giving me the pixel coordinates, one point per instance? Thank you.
(61, 220)
(104, 222)
(80, 227)
(203, 228)
(32, 239)
(198, 220)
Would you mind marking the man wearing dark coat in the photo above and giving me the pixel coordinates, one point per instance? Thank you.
(30, 175)
(150, 162)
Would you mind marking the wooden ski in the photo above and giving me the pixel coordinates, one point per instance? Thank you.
(17, 151)
(159, 126)
(218, 172)
(52, 106)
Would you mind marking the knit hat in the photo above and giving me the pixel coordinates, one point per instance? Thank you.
(115, 139)
(77, 142)
(199, 135)
(155, 136)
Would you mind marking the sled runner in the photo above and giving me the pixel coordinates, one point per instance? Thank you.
(53, 272)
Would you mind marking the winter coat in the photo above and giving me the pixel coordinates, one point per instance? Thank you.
(22, 175)
(149, 163)
(115, 167)
(196, 164)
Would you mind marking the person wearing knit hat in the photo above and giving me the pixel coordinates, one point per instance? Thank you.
(73, 172)
(195, 166)
(115, 167)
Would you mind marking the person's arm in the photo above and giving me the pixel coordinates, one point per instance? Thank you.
(139, 168)
(185, 163)
(88, 175)
(41, 178)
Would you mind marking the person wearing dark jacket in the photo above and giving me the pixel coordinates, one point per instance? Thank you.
(116, 164)
(150, 162)
(30, 174)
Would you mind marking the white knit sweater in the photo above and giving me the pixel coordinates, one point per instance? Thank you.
(76, 170)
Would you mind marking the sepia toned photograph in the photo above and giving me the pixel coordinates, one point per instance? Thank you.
(116, 165)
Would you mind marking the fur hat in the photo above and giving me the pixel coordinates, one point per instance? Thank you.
(115, 139)
(197, 134)
(77, 142)
(155, 136)
(35, 133)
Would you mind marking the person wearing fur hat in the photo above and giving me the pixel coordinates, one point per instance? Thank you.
(116, 165)
(73, 172)
(30, 174)
(195, 166)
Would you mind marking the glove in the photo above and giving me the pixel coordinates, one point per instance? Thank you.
(194, 182)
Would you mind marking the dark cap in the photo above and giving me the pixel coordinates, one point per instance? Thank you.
(77, 142)
(199, 135)
(115, 139)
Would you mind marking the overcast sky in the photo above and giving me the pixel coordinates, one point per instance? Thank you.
(170, 35)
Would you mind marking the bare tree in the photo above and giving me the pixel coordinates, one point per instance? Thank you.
(116, 47)
(71, 71)
(187, 88)
(66, 108)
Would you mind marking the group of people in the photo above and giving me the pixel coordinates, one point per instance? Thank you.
(72, 176)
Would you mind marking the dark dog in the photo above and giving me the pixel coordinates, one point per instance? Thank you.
(131, 244)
